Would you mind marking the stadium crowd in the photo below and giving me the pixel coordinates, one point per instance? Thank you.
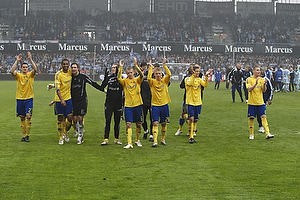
(138, 26)
(50, 63)
(263, 29)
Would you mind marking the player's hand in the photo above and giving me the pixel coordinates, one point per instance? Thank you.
(207, 73)
(63, 103)
(150, 63)
(50, 86)
(257, 80)
(106, 71)
(269, 102)
(265, 81)
(29, 55)
(121, 63)
(51, 103)
(135, 61)
(165, 60)
(19, 57)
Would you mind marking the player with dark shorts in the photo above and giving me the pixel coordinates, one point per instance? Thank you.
(79, 97)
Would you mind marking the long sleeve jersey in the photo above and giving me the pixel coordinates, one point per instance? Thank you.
(78, 86)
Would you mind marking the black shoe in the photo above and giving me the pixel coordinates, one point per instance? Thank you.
(27, 138)
(23, 139)
(145, 136)
(191, 140)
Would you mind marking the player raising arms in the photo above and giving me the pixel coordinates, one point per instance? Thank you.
(24, 95)
(160, 100)
(193, 99)
(256, 85)
(63, 102)
(133, 101)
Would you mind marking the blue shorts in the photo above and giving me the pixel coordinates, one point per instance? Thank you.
(194, 111)
(134, 114)
(256, 110)
(184, 108)
(24, 106)
(160, 112)
(63, 110)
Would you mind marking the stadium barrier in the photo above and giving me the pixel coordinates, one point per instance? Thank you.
(149, 48)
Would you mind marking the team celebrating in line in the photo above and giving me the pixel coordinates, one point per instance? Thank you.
(144, 83)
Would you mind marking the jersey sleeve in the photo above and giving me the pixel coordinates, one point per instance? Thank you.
(120, 79)
(93, 83)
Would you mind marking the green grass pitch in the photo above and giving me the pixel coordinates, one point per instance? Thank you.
(224, 164)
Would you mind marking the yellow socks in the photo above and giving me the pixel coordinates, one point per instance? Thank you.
(129, 136)
(265, 125)
(28, 126)
(23, 127)
(180, 127)
(194, 127)
(155, 133)
(67, 126)
(138, 133)
(251, 126)
(163, 132)
(191, 130)
(60, 129)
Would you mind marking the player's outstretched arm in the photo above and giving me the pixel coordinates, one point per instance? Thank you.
(13, 68)
(34, 68)
(121, 64)
(138, 69)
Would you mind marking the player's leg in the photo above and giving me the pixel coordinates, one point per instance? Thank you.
(128, 112)
(138, 120)
(28, 109)
(163, 133)
(182, 118)
(164, 120)
(68, 114)
(60, 127)
(239, 89)
(108, 111)
(59, 111)
(251, 115)
(151, 125)
(20, 108)
(144, 124)
(117, 118)
(233, 88)
(155, 120)
(80, 128)
(262, 114)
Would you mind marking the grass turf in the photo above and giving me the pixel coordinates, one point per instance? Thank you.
(224, 164)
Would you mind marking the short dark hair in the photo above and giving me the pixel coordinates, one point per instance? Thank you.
(76, 65)
(143, 64)
(24, 63)
(65, 60)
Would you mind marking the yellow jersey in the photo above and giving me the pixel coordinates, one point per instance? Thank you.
(63, 84)
(24, 85)
(193, 90)
(159, 89)
(256, 95)
(132, 90)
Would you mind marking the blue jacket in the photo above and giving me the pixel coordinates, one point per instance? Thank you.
(218, 76)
